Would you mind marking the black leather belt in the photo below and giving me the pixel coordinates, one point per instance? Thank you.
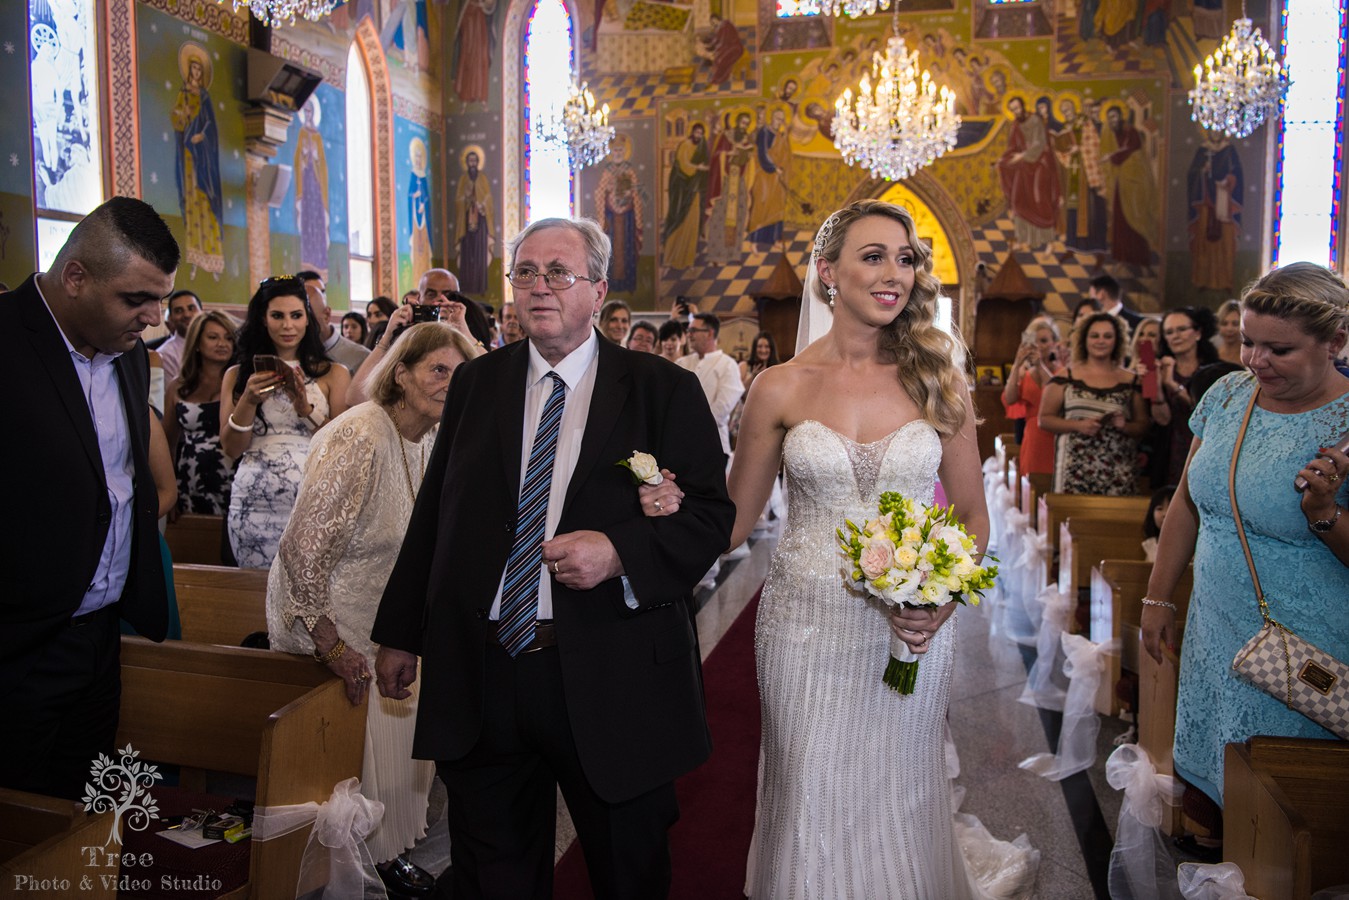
(545, 635)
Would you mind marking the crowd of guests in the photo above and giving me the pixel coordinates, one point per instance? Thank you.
(1105, 409)
(314, 445)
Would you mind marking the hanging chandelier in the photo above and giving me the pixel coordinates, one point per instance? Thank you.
(1240, 85)
(900, 120)
(283, 12)
(581, 127)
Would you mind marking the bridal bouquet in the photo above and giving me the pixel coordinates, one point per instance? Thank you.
(917, 556)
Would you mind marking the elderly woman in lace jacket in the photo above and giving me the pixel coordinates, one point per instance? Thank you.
(360, 482)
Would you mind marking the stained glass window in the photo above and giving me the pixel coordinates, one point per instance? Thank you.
(67, 144)
(1311, 131)
(360, 178)
(548, 73)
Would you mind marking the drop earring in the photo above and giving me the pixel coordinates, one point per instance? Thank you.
(832, 292)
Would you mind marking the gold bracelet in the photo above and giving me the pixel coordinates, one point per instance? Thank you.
(1166, 604)
(338, 649)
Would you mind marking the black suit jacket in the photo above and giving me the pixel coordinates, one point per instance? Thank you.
(1130, 317)
(57, 494)
(632, 677)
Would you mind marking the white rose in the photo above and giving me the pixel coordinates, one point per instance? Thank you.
(934, 592)
(645, 468)
(906, 557)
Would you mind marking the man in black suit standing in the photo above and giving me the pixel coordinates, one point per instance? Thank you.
(83, 549)
(568, 661)
(1105, 290)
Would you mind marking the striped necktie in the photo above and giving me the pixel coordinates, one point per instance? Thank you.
(520, 588)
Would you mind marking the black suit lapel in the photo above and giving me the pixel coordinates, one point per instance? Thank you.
(606, 402)
(51, 352)
(135, 388)
(509, 416)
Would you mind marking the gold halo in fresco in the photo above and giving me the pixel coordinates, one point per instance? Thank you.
(189, 52)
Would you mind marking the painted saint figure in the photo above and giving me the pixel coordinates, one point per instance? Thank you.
(1214, 185)
(618, 206)
(1030, 178)
(473, 222)
(728, 189)
(685, 189)
(419, 208)
(198, 162)
(768, 190)
(473, 50)
(1130, 189)
(311, 189)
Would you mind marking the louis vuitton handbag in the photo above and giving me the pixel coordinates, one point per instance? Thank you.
(1276, 660)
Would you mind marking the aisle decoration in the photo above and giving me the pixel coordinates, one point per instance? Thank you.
(917, 556)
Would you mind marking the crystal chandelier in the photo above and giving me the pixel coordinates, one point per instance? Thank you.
(283, 12)
(900, 120)
(581, 127)
(1240, 85)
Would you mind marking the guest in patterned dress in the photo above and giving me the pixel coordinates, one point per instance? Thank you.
(281, 390)
(336, 554)
(192, 425)
(1097, 412)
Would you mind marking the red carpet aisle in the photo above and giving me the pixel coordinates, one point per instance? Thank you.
(716, 801)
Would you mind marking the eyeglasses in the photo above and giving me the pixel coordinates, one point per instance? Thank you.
(1172, 332)
(558, 279)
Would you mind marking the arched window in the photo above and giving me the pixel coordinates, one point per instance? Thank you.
(67, 124)
(1307, 195)
(360, 178)
(548, 72)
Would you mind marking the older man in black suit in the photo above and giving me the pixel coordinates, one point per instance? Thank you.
(551, 615)
(82, 549)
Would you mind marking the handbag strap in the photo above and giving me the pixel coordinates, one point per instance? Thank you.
(1236, 513)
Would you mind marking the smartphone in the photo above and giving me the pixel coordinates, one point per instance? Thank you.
(1148, 357)
(265, 362)
(425, 312)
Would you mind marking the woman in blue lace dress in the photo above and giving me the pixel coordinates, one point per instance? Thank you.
(1293, 325)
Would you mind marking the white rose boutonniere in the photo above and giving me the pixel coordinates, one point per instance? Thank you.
(643, 468)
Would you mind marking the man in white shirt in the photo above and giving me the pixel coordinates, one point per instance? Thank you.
(339, 349)
(183, 307)
(717, 373)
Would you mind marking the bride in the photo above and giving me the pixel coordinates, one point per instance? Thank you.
(853, 794)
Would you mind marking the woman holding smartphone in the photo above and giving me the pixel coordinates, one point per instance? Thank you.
(281, 390)
(1097, 412)
(1037, 361)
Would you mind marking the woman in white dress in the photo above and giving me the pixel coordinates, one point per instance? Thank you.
(853, 796)
(270, 412)
(336, 554)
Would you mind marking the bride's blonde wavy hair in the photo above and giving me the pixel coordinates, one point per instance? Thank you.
(930, 362)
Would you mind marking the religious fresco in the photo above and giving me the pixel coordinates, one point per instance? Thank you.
(62, 50)
(620, 194)
(473, 188)
(417, 203)
(191, 85)
(18, 248)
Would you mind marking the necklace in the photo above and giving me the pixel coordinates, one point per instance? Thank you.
(402, 450)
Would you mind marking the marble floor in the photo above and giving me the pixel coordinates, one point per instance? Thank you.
(1071, 822)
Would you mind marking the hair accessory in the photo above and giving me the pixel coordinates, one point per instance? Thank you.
(822, 236)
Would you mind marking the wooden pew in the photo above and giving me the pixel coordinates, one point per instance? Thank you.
(219, 604)
(282, 719)
(1014, 482)
(1033, 485)
(40, 848)
(196, 539)
(1286, 815)
(1005, 448)
(1052, 509)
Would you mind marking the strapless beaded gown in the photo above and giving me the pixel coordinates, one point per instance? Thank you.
(854, 800)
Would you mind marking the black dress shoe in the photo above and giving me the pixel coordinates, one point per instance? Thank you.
(404, 879)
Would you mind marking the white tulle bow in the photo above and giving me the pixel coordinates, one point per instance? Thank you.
(337, 843)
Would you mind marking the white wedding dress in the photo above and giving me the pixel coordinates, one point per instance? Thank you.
(854, 799)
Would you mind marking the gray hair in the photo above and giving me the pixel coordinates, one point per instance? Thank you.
(597, 243)
(412, 346)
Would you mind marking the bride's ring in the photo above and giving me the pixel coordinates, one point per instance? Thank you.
(658, 506)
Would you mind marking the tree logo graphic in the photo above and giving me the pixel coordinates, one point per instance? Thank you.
(122, 787)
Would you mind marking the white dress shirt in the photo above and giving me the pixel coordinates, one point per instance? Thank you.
(720, 378)
(577, 370)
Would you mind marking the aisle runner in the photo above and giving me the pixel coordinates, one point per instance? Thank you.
(709, 844)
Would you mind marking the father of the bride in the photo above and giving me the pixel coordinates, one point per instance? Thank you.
(552, 617)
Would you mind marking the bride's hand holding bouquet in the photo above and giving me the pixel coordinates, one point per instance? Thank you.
(913, 557)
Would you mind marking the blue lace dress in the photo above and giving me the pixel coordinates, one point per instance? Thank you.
(1305, 585)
